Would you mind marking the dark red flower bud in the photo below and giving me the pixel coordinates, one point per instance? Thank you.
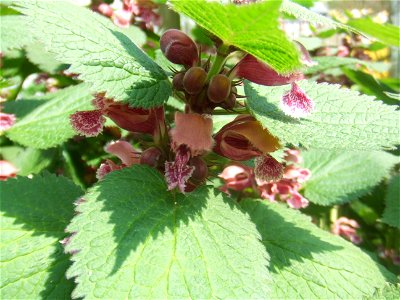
(200, 169)
(151, 157)
(230, 102)
(177, 81)
(194, 80)
(219, 88)
(178, 47)
(258, 72)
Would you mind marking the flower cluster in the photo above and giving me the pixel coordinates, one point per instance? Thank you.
(389, 254)
(242, 178)
(123, 13)
(347, 228)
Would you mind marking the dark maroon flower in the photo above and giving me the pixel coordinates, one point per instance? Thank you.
(179, 48)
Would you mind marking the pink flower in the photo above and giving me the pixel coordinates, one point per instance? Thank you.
(194, 131)
(244, 138)
(105, 10)
(178, 172)
(343, 51)
(296, 103)
(90, 123)
(6, 121)
(237, 177)
(122, 18)
(296, 201)
(299, 174)
(258, 72)
(292, 155)
(347, 228)
(7, 170)
(124, 151)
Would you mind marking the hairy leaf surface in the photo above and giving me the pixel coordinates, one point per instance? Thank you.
(391, 215)
(309, 263)
(137, 240)
(97, 50)
(342, 176)
(48, 125)
(34, 214)
(342, 119)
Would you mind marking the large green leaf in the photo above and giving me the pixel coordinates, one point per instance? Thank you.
(391, 215)
(34, 214)
(97, 50)
(341, 176)
(343, 119)
(136, 240)
(386, 33)
(13, 34)
(252, 28)
(309, 263)
(46, 61)
(389, 292)
(48, 124)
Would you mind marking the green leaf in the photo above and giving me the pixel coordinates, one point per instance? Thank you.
(27, 161)
(343, 119)
(34, 214)
(304, 14)
(389, 292)
(342, 176)
(48, 125)
(391, 215)
(97, 50)
(251, 28)
(13, 33)
(44, 60)
(386, 33)
(136, 240)
(309, 263)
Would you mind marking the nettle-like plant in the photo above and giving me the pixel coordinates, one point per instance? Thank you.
(159, 223)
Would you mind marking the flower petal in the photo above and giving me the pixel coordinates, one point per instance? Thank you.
(7, 170)
(88, 123)
(124, 151)
(177, 173)
(268, 168)
(296, 103)
(6, 121)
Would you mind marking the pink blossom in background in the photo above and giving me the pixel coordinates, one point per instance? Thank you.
(7, 170)
(237, 177)
(6, 121)
(347, 228)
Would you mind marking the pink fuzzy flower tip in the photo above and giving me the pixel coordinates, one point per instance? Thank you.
(6, 121)
(268, 168)
(296, 103)
(237, 177)
(88, 123)
(7, 170)
(178, 172)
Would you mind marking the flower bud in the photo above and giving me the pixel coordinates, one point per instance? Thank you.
(219, 88)
(200, 169)
(230, 102)
(177, 81)
(178, 47)
(194, 80)
(150, 157)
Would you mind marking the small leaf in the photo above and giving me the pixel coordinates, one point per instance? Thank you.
(136, 240)
(34, 213)
(386, 33)
(309, 263)
(391, 215)
(97, 50)
(48, 124)
(342, 176)
(44, 60)
(342, 119)
(252, 28)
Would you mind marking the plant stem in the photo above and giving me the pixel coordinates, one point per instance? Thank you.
(218, 62)
(69, 164)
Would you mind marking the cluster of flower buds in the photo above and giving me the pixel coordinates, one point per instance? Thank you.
(201, 93)
(123, 13)
(242, 178)
(347, 228)
(204, 92)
